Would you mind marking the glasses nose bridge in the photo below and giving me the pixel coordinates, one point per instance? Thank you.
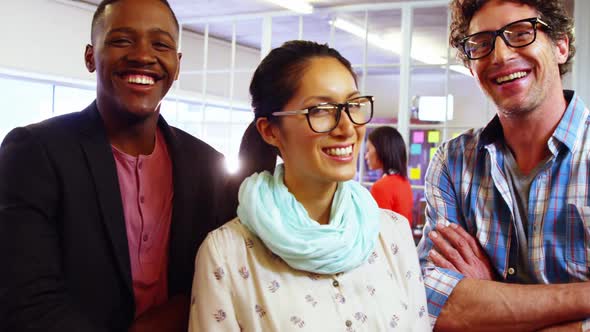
(343, 108)
(503, 48)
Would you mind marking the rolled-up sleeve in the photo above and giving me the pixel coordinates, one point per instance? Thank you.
(441, 207)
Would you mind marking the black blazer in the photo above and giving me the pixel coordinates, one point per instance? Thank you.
(63, 243)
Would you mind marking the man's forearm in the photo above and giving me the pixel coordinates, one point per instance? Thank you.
(480, 305)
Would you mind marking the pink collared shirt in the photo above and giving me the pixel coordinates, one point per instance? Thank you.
(147, 193)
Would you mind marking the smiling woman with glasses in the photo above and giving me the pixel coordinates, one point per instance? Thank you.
(516, 34)
(310, 248)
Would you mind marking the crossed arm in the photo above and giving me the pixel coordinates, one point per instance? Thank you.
(478, 303)
(454, 263)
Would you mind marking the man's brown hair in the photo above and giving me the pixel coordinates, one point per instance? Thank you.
(551, 12)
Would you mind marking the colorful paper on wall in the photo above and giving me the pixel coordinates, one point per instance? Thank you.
(432, 152)
(433, 136)
(415, 149)
(415, 173)
(418, 137)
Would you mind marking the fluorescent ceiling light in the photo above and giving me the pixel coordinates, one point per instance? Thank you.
(423, 49)
(299, 6)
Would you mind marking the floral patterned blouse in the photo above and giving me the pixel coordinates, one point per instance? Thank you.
(240, 285)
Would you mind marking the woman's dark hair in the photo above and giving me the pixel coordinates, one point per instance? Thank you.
(551, 12)
(274, 83)
(390, 149)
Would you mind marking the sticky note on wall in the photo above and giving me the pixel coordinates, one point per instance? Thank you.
(415, 173)
(415, 149)
(434, 136)
(418, 137)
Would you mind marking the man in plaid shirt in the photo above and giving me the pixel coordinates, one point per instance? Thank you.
(506, 246)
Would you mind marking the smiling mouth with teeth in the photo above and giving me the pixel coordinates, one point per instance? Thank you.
(511, 77)
(141, 79)
(339, 152)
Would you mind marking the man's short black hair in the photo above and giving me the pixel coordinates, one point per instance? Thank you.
(104, 3)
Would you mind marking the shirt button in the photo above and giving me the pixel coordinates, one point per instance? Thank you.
(141, 199)
(335, 283)
(511, 271)
(145, 238)
(348, 323)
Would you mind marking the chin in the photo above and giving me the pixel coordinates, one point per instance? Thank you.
(141, 109)
(344, 176)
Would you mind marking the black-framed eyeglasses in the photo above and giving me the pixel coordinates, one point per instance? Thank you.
(517, 34)
(324, 117)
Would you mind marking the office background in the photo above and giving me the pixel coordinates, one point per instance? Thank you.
(399, 50)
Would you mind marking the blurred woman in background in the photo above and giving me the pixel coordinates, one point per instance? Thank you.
(386, 150)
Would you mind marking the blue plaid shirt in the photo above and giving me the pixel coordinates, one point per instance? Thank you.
(466, 184)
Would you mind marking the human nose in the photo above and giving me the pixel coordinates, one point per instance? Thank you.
(345, 127)
(141, 52)
(501, 51)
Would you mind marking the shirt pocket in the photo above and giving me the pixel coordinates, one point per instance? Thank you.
(577, 241)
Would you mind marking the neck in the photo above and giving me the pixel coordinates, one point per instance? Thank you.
(315, 197)
(527, 134)
(130, 135)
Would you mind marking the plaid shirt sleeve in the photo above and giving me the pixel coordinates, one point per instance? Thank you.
(441, 206)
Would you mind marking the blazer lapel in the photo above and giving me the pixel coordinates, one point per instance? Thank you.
(104, 172)
(180, 227)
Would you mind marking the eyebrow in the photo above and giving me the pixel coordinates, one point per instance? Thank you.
(129, 30)
(329, 99)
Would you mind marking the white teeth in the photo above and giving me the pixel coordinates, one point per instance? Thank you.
(140, 79)
(340, 152)
(511, 77)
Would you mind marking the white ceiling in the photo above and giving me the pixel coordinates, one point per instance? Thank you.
(204, 8)
(429, 26)
(315, 26)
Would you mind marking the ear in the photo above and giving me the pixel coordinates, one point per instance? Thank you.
(89, 58)
(562, 49)
(178, 68)
(268, 131)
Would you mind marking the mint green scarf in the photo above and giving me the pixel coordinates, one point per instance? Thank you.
(270, 211)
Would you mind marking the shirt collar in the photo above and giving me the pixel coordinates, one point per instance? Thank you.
(491, 132)
(572, 121)
(566, 132)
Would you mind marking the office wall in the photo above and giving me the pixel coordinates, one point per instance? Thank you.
(471, 108)
(48, 37)
(581, 69)
(45, 37)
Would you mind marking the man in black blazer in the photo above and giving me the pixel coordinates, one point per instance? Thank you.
(64, 245)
